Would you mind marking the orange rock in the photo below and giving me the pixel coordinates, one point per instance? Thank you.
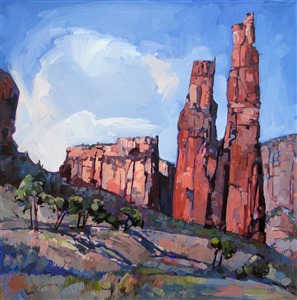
(240, 162)
(196, 141)
(128, 168)
(18, 282)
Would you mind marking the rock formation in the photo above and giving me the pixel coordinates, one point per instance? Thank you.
(166, 184)
(238, 200)
(128, 168)
(279, 158)
(196, 146)
(8, 106)
(215, 184)
(14, 165)
(222, 186)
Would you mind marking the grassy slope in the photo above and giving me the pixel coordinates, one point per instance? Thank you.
(147, 263)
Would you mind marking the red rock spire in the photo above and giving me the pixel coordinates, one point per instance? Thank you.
(196, 135)
(245, 203)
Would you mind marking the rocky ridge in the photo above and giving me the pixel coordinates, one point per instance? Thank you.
(130, 168)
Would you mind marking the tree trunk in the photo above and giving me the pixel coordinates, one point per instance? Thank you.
(60, 220)
(35, 215)
(31, 219)
(214, 260)
(86, 216)
(78, 220)
(221, 259)
(57, 221)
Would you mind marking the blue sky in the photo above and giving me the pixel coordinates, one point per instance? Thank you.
(93, 71)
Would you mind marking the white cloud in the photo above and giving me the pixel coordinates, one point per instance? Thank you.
(92, 87)
(85, 72)
(166, 80)
(81, 127)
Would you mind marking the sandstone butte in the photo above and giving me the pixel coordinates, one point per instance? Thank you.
(130, 168)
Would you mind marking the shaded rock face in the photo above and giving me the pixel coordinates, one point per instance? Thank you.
(166, 185)
(14, 165)
(238, 200)
(9, 100)
(280, 188)
(128, 168)
(196, 146)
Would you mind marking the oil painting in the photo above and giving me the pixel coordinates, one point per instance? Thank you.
(148, 149)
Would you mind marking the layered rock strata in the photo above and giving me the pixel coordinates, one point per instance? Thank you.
(128, 168)
(196, 146)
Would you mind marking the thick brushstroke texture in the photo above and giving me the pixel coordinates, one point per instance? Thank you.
(280, 190)
(130, 168)
(241, 155)
(107, 54)
(196, 146)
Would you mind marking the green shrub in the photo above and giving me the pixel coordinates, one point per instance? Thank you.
(255, 265)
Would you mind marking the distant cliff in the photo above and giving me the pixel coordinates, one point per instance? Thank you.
(279, 157)
(130, 168)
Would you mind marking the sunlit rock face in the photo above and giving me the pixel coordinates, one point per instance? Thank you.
(216, 184)
(128, 168)
(196, 146)
(238, 201)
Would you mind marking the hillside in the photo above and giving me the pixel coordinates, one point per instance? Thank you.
(140, 263)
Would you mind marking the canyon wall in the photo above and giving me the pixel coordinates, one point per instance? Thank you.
(279, 158)
(130, 168)
(196, 146)
(8, 106)
(13, 165)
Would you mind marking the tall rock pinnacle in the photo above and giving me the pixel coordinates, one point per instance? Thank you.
(196, 146)
(240, 166)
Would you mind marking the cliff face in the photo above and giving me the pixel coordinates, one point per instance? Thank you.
(14, 165)
(280, 189)
(196, 146)
(8, 106)
(128, 168)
